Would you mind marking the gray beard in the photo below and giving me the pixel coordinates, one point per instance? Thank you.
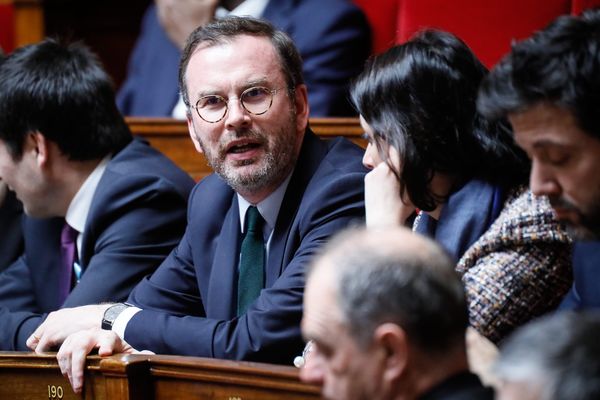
(271, 173)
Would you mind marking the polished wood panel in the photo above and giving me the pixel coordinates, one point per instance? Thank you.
(171, 136)
(141, 377)
(29, 21)
(201, 378)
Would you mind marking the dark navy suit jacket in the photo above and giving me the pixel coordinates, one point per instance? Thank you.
(333, 39)
(136, 217)
(11, 234)
(462, 386)
(585, 293)
(189, 303)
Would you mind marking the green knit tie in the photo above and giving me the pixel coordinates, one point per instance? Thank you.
(252, 261)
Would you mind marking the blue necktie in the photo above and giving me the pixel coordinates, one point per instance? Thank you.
(252, 261)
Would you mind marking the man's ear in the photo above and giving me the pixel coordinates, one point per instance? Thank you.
(37, 146)
(302, 107)
(394, 342)
(192, 132)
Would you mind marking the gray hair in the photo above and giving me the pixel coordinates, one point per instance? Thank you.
(383, 277)
(560, 354)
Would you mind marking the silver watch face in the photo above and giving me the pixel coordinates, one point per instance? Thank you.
(113, 312)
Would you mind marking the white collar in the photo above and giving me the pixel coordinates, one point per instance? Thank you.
(268, 208)
(79, 207)
(251, 8)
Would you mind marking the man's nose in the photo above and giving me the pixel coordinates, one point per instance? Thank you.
(237, 116)
(542, 181)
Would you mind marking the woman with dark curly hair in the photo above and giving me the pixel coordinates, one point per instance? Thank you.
(440, 166)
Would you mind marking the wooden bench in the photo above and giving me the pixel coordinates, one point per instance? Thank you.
(28, 376)
(172, 138)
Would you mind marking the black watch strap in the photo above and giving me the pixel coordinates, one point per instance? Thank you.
(111, 314)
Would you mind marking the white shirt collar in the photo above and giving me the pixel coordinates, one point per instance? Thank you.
(251, 8)
(268, 208)
(79, 207)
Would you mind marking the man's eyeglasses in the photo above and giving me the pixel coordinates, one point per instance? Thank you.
(256, 100)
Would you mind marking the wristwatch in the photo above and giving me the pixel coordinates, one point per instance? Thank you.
(111, 314)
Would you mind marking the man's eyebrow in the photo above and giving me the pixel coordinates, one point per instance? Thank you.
(256, 82)
(247, 85)
(551, 143)
(203, 93)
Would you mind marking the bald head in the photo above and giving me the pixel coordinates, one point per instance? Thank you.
(393, 244)
(393, 275)
(386, 314)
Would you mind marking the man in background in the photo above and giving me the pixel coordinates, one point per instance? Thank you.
(549, 88)
(554, 358)
(387, 317)
(103, 209)
(333, 38)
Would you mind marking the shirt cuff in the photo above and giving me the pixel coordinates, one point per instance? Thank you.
(123, 319)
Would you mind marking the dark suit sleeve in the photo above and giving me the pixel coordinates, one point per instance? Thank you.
(151, 87)
(13, 296)
(270, 330)
(584, 293)
(334, 44)
(134, 228)
(11, 234)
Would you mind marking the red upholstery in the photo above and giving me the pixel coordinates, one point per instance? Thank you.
(382, 18)
(7, 30)
(488, 27)
(578, 6)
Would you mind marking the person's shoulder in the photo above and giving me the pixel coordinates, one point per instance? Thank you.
(212, 193)
(461, 386)
(527, 224)
(336, 177)
(334, 7)
(327, 161)
(343, 155)
(139, 161)
(533, 217)
(340, 13)
(329, 158)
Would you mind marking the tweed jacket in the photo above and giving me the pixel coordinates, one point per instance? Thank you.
(519, 269)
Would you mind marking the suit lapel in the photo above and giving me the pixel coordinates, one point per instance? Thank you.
(310, 157)
(224, 271)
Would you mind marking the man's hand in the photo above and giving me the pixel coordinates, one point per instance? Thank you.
(383, 204)
(73, 352)
(62, 323)
(482, 354)
(179, 18)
